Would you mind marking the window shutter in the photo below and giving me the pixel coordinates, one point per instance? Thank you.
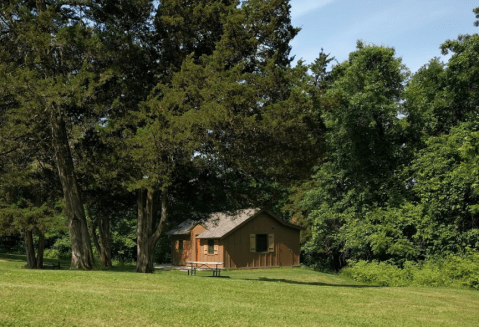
(252, 243)
(216, 246)
(205, 247)
(270, 242)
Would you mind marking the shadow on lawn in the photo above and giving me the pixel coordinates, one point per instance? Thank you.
(13, 257)
(215, 276)
(52, 264)
(48, 264)
(288, 281)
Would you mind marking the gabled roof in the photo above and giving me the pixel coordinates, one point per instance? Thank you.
(184, 228)
(221, 224)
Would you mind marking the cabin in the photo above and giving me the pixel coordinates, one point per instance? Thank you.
(251, 238)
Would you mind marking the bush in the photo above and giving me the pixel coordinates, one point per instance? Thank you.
(457, 271)
(376, 273)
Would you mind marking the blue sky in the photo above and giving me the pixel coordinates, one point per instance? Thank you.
(415, 29)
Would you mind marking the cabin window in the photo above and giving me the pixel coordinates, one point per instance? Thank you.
(180, 245)
(261, 242)
(211, 246)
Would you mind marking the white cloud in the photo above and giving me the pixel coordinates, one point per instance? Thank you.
(301, 7)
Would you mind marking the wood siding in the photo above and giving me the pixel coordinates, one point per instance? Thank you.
(179, 258)
(234, 249)
(212, 257)
(237, 245)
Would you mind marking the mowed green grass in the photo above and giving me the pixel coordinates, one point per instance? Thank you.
(267, 297)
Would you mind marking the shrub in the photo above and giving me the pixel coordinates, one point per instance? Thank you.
(458, 271)
(375, 273)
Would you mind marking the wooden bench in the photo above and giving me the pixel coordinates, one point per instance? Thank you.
(200, 265)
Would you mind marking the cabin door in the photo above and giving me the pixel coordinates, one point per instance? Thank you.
(197, 249)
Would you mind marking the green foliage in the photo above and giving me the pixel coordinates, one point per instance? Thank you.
(364, 151)
(376, 273)
(123, 239)
(384, 233)
(364, 133)
(13, 244)
(399, 179)
(476, 12)
(26, 200)
(162, 253)
(444, 187)
(451, 271)
(420, 95)
(61, 248)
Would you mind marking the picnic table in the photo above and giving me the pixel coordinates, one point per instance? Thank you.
(195, 265)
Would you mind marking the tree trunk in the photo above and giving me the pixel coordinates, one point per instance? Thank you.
(101, 241)
(82, 255)
(147, 238)
(105, 246)
(95, 239)
(31, 263)
(41, 247)
(164, 218)
(144, 260)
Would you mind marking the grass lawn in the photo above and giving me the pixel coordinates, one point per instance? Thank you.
(267, 297)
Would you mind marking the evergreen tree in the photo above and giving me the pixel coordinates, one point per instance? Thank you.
(58, 61)
(235, 102)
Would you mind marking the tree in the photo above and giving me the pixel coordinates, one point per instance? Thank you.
(365, 148)
(443, 187)
(234, 103)
(60, 59)
(53, 80)
(419, 106)
(28, 200)
(366, 135)
(222, 98)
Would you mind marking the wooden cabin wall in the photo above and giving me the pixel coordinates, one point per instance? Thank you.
(179, 258)
(237, 245)
(218, 257)
(197, 230)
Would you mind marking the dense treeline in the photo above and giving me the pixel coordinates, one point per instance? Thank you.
(398, 181)
(120, 119)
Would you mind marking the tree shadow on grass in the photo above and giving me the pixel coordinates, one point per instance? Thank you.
(215, 276)
(289, 281)
(13, 257)
(65, 264)
(48, 264)
(128, 267)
